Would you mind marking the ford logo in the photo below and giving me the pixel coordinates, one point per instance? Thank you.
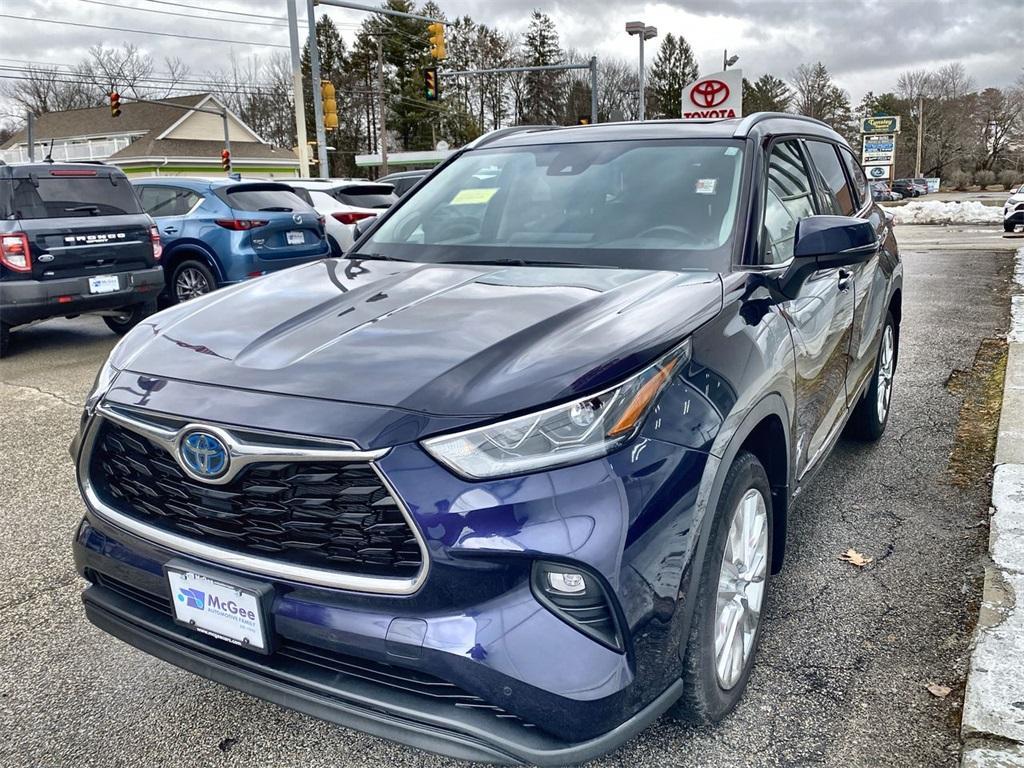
(203, 454)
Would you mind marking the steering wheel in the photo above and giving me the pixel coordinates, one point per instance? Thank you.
(673, 228)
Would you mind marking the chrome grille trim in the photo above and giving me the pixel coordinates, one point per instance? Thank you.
(259, 566)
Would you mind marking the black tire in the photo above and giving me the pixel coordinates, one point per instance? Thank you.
(336, 251)
(191, 279)
(1008, 226)
(5, 339)
(866, 423)
(129, 317)
(705, 699)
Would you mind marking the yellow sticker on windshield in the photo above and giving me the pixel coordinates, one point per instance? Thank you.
(474, 196)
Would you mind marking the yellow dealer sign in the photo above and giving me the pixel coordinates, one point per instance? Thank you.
(884, 124)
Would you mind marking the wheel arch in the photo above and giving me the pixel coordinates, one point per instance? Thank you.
(191, 250)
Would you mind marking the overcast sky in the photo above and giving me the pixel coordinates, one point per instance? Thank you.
(864, 43)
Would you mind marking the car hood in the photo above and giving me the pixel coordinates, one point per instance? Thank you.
(441, 339)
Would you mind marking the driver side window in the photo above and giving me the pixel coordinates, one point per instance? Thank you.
(788, 199)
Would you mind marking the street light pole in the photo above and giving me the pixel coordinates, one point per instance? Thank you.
(644, 32)
(318, 105)
(727, 60)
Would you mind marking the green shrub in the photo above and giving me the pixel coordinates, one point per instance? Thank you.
(984, 178)
(959, 180)
(1010, 178)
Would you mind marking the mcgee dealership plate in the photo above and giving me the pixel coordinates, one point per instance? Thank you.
(222, 610)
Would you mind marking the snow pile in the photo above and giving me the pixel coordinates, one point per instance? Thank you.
(955, 212)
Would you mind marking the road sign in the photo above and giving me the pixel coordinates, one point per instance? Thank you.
(878, 172)
(879, 149)
(714, 97)
(883, 124)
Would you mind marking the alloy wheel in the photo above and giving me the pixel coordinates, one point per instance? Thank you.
(190, 283)
(886, 359)
(741, 586)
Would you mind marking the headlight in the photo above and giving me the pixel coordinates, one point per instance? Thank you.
(104, 378)
(566, 434)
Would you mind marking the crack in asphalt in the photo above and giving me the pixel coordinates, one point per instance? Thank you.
(39, 390)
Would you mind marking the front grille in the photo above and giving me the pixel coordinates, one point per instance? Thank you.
(380, 673)
(336, 515)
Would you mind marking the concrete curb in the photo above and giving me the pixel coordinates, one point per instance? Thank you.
(993, 719)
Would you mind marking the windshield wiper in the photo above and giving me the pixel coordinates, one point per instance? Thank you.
(370, 257)
(526, 263)
(94, 209)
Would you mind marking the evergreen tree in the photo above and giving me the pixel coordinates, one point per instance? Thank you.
(543, 98)
(674, 68)
(766, 94)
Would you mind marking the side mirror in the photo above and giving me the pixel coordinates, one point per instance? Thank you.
(362, 226)
(826, 242)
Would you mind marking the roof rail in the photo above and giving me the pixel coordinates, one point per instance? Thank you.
(500, 133)
(748, 122)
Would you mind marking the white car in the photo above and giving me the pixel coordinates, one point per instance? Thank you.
(1013, 210)
(343, 203)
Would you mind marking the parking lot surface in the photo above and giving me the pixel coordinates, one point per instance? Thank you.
(847, 652)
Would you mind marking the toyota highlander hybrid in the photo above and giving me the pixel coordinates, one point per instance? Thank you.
(512, 479)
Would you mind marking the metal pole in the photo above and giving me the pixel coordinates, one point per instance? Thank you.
(31, 136)
(383, 11)
(318, 104)
(299, 98)
(593, 89)
(227, 140)
(642, 110)
(920, 134)
(505, 70)
(725, 59)
(383, 110)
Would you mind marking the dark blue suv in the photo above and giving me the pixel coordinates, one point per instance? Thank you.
(511, 479)
(218, 232)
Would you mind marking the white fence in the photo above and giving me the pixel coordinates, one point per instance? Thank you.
(70, 150)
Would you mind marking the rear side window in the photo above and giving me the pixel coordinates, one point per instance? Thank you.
(860, 179)
(369, 196)
(789, 198)
(167, 201)
(273, 199)
(304, 194)
(838, 196)
(72, 197)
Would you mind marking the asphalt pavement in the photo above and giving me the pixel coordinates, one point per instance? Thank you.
(847, 652)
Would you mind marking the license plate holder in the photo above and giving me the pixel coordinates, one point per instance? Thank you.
(296, 237)
(104, 284)
(229, 608)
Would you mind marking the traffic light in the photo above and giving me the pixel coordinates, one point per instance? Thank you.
(115, 104)
(330, 105)
(225, 160)
(430, 83)
(437, 40)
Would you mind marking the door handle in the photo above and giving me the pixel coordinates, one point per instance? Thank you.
(170, 230)
(845, 279)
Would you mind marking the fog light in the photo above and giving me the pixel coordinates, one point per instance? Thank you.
(568, 583)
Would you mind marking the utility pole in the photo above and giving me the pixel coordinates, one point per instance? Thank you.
(383, 109)
(920, 134)
(593, 89)
(300, 99)
(30, 135)
(318, 108)
(644, 32)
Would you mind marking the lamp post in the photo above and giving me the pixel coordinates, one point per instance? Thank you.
(644, 32)
(728, 61)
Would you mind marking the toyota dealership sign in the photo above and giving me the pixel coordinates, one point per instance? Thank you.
(714, 97)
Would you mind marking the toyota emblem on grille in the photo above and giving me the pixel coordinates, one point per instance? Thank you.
(204, 455)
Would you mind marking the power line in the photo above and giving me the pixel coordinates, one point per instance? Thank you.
(219, 10)
(185, 15)
(139, 31)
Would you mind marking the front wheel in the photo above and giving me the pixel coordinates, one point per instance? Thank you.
(731, 596)
(129, 317)
(869, 417)
(1008, 226)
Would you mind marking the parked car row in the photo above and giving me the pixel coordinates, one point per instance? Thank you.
(882, 193)
(1013, 209)
(78, 238)
(911, 187)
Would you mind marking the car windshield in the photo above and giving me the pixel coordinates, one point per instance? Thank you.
(659, 204)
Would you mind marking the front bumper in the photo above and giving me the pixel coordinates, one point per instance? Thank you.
(22, 301)
(1014, 215)
(353, 699)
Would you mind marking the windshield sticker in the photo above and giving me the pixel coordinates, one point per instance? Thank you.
(706, 186)
(474, 196)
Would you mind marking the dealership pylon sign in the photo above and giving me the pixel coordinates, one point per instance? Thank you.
(715, 96)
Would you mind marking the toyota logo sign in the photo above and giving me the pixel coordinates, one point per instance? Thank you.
(716, 96)
(709, 93)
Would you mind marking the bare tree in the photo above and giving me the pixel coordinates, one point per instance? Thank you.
(51, 89)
